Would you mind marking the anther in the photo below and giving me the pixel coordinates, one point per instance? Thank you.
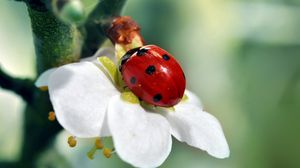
(72, 141)
(99, 144)
(43, 88)
(184, 98)
(107, 152)
(51, 116)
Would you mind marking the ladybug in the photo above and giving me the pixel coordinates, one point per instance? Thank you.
(153, 75)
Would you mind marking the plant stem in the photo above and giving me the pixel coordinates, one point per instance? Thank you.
(97, 22)
(22, 87)
(56, 44)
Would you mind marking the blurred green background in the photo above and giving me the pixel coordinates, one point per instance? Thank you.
(241, 57)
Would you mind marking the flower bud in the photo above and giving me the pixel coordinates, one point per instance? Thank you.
(69, 11)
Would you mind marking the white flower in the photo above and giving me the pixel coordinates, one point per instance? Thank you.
(88, 104)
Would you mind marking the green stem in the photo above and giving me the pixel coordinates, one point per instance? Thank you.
(97, 22)
(22, 87)
(55, 42)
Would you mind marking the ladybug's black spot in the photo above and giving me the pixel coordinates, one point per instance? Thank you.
(132, 80)
(157, 97)
(166, 57)
(125, 57)
(150, 70)
(183, 75)
(142, 52)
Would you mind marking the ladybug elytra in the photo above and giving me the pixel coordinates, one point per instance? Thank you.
(153, 75)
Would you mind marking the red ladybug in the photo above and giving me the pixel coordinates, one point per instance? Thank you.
(153, 75)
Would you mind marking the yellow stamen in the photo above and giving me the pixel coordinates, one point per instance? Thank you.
(107, 152)
(185, 98)
(51, 116)
(91, 153)
(43, 88)
(171, 108)
(130, 97)
(120, 51)
(99, 144)
(72, 141)
(110, 67)
(157, 108)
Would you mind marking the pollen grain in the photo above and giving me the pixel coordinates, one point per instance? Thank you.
(107, 152)
(51, 116)
(43, 88)
(72, 141)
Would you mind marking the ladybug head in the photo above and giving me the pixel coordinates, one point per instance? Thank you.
(127, 55)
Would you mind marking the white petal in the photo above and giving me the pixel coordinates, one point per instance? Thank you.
(80, 93)
(198, 128)
(44, 77)
(104, 51)
(141, 138)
